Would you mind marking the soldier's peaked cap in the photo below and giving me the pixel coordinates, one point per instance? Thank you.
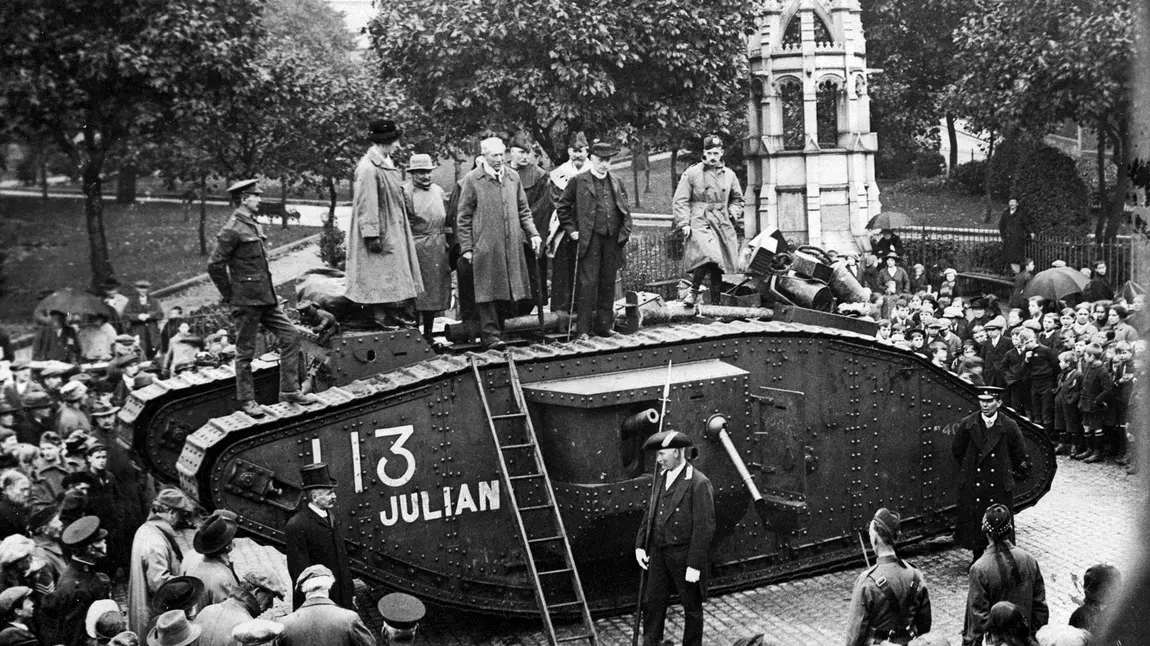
(667, 440)
(245, 186)
(401, 611)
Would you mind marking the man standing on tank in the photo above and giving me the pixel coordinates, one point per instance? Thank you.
(537, 188)
(239, 268)
(560, 246)
(674, 540)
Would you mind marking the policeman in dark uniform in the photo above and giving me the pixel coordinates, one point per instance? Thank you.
(63, 612)
(401, 616)
(239, 268)
(674, 541)
(890, 601)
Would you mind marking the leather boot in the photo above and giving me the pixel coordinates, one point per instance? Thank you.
(252, 408)
(303, 399)
(1085, 447)
(1121, 455)
(1099, 453)
(1064, 447)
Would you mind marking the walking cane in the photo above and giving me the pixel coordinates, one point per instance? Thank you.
(539, 285)
(638, 623)
(574, 288)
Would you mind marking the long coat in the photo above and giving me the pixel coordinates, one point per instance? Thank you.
(310, 541)
(218, 620)
(378, 210)
(148, 329)
(494, 223)
(990, 582)
(989, 460)
(218, 576)
(321, 621)
(155, 558)
(63, 612)
(429, 229)
(1014, 229)
(690, 521)
(710, 200)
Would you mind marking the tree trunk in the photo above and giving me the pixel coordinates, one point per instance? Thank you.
(952, 136)
(126, 184)
(329, 223)
(635, 172)
(44, 176)
(203, 215)
(674, 167)
(283, 202)
(1117, 206)
(100, 260)
(1103, 202)
(988, 204)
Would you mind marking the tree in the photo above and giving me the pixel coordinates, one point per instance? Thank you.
(1031, 64)
(95, 79)
(547, 66)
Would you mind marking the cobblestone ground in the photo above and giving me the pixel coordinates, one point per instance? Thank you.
(1088, 517)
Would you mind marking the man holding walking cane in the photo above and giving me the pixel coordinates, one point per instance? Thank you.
(674, 541)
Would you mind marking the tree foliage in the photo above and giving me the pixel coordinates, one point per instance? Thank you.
(610, 68)
(95, 78)
(1031, 64)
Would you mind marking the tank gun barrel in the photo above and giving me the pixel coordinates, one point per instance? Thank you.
(640, 420)
(717, 427)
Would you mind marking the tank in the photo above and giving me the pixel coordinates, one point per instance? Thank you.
(803, 422)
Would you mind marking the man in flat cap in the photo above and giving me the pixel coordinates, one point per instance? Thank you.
(251, 597)
(214, 540)
(239, 268)
(401, 616)
(559, 245)
(382, 266)
(595, 213)
(674, 540)
(64, 611)
(156, 557)
(319, 620)
(993, 352)
(537, 188)
(73, 413)
(142, 318)
(708, 209)
(890, 600)
(991, 455)
(433, 235)
(17, 612)
(313, 535)
(494, 222)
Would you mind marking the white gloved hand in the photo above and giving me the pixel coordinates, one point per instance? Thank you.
(536, 244)
(143, 317)
(641, 557)
(687, 231)
(692, 575)
(574, 235)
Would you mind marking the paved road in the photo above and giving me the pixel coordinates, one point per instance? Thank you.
(1088, 517)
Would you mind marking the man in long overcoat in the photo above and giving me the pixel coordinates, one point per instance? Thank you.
(142, 317)
(1015, 227)
(674, 540)
(708, 210)
(382, 264)
(313, 536)
(593, 211)
(990, 452)
(538, 190)
(494, 223)
(431, 231)
(156, 557)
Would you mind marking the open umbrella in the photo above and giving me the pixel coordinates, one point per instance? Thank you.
(890, 220)
(74, 301)
(1056, 283)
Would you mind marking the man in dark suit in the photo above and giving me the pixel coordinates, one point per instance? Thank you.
(314, 538)
(991, 456)
(993, 353)
(319, 620)
(593, 212)
(674, 541)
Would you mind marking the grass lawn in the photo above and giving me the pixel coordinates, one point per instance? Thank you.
(47, 246)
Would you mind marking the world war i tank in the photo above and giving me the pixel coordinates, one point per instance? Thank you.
(470, 478)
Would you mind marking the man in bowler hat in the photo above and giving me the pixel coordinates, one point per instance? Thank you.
(593, 211)
(214, 541)
(674, 541)
(239, 268)
(314, 538)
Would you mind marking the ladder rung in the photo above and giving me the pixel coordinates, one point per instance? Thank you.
(534, 508)
(509, 416)
(573, 638)
(559, 571)
(545, 539)
(519, 446)
(530, 475)
(565, 604)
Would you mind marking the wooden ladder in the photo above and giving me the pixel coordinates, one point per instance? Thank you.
(535, 472)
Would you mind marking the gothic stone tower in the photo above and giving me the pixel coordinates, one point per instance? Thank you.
(810, 153)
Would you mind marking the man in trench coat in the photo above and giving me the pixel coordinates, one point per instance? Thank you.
(382, 261)
(708, 210)
(494, 221)
(989, 449)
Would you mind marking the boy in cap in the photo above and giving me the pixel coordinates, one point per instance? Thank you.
(595, 213)
(674, 541)
(239, 268)
(993, 352)
(890, 600)
(65, 610)
(991, 455)
(708, 209)
(17, 612)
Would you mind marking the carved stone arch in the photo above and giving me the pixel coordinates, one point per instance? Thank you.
(833, 77)
(792, 9)
(779, 82)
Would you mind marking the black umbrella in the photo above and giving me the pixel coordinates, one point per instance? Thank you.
(1056, 283)
(890, 220)
(74, 301)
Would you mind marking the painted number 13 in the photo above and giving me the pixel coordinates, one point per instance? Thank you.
(401, 435)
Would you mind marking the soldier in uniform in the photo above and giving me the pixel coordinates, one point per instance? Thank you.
(64, 611)
(989, 450)
(674, 540)
(890, 601)
(401, 616)
(708, 208)
(239, 268)
(313, 536)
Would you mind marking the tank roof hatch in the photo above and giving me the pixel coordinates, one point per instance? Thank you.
(626, 386)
